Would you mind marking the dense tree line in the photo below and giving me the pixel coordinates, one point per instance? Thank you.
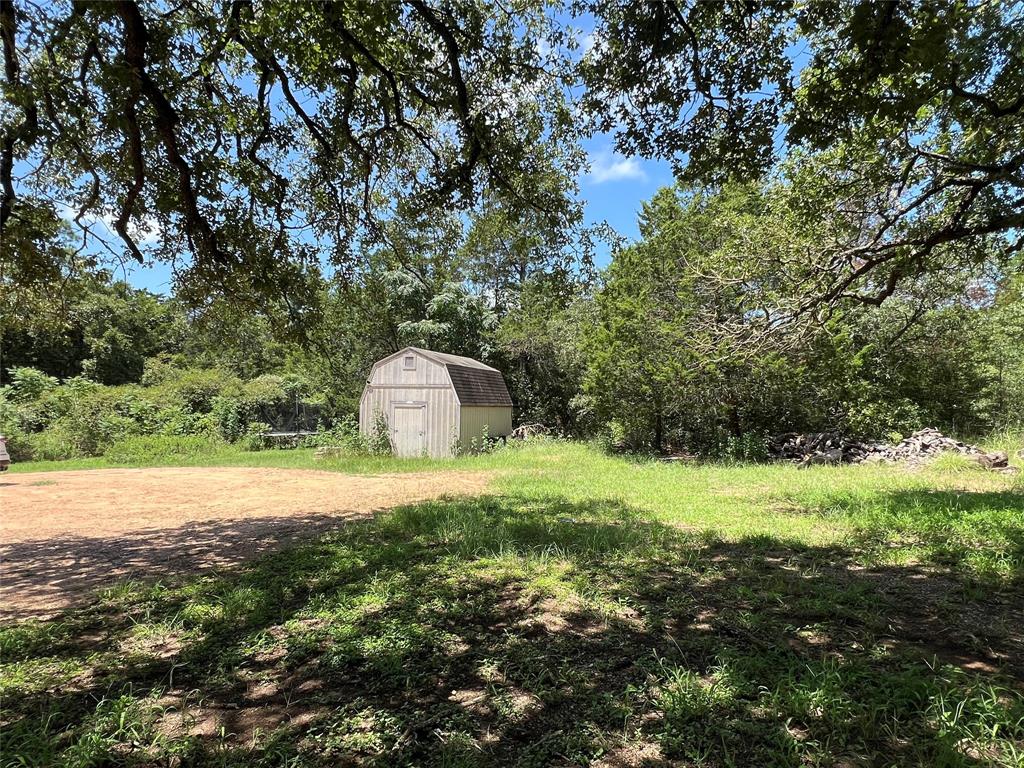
(664, 349)
(678, 358)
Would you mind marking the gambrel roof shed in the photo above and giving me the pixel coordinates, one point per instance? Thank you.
(435, 403)
(474, 382)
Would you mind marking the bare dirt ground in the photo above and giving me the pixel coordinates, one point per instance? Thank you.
(64, 535)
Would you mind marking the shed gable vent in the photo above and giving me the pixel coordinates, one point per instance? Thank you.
(409, 363)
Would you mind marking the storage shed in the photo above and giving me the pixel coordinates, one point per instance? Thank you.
(433, 402)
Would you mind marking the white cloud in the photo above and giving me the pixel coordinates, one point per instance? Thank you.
(588, 43)
(146, 232)
(608, 166)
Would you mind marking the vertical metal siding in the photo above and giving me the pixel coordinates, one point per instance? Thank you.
(428, 383)
(497, 418)
(426, 372)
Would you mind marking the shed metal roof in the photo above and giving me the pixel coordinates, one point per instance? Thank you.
(475, 383)
(445, 359)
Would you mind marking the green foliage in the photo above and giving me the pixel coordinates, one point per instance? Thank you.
(50, 445)
(255, 437)
(425, 147)
(749, 306)
(149, 449)
(91, 326)
(879, 416)
(891, 111)
(482, 444)
(87, 419)
(378, 442)
(747, 447)
(197, 388)
(28, 384)
(679, 355)
(343, 434)
(82, 418)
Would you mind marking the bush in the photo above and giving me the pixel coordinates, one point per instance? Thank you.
(876, 418)
(176, 420)
(51, 420)
(750, 446)
(379, 441)
(20, 446)
(93, 418)
(144, 449)
(255, 437)
(230, 418)
(265, 390)
(343, 434)
(160, 369)
(196, 389)
(53, 444)
(485, 443)
(10, 415)
(28, 384)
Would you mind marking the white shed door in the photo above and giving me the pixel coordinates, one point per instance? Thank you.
(408, 430)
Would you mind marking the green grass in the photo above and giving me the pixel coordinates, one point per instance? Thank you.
(588, 608)
(226, 455)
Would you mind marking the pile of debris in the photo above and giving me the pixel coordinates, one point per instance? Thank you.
(922, 446)
(527, 431)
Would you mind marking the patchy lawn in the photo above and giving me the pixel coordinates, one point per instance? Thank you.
(588, 610)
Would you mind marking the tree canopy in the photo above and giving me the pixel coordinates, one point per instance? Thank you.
(262, 138)
(912, 112)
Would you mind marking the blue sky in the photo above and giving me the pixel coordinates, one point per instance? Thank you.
(616, 186)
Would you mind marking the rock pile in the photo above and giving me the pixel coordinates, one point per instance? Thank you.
(922, 446)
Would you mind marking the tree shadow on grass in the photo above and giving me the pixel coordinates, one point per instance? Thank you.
(42, 576)
(515, 631)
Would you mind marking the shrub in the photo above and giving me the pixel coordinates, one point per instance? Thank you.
(229, 416)
(750, 446)
(196, 389)
(92, 418)
(10, 414)
(20, 445)
(255, 437)
(143, 449)
(878, 417)
(485, 443)
(28, 384)
(379, 441)
(613, 438)
(53, 444)
(176, 420)
(160, 369)
(265, 390)
(343, 434)
(57, 402)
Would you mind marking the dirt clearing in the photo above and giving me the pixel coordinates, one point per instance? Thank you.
(65, 534)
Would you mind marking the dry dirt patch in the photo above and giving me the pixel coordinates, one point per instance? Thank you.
(65, 534)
